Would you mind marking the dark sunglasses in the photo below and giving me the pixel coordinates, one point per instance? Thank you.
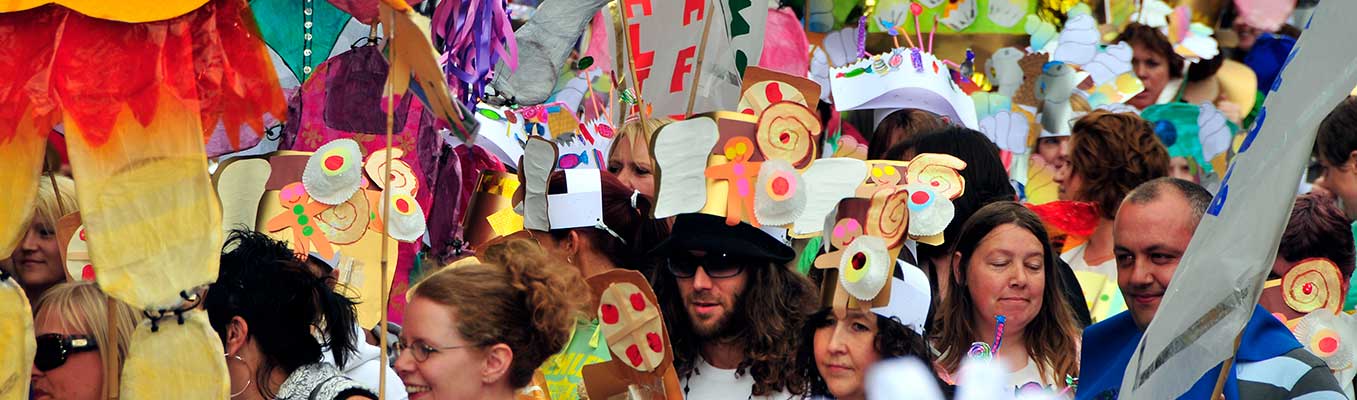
(53, 348)
(684, 265)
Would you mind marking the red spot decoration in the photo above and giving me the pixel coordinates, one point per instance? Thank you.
(1328, 345)
(608, 313)
(334, 162)
(1308, 288)
(87, 273)
(749, 111)
(512, 117)
(656, 345)
(638, 302)
(785, 137)
(781, 186)
(919, 197)
(634, 355)
(859, 261)
(774, 92)
(403, 205)
(82, 234)
(935, 183)
(935, 67)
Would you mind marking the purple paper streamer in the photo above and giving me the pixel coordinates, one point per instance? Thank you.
(917, 59)
(862, 36)
(473, 36)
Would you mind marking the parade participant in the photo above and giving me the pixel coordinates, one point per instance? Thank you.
(364, 362)
(899, 126)
(36, 262)
(264, 306)
(1155, 63)
(1152, 231)
(480, 331)
(986, 182)
(1003, 269)
(1109, 154)
(630, 159)
(733, 309)
(626, 234)
(1317, 229)
(844, 344)
(75, 334)
(1336, 149)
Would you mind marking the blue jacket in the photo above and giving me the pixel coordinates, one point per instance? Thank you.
(1108, 346)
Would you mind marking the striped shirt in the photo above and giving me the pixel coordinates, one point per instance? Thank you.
(1294, 375)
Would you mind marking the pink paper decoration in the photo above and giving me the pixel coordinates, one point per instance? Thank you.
(1268, 15)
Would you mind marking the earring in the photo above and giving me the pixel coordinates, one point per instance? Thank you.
(247, 381)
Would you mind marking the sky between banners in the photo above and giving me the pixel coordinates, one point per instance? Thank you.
(1221, 276)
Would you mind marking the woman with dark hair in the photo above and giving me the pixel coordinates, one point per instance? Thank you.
(480, 331)
(1336, 149)
(1155, 63)
(1108, 155)
(899, 126)
(265, 306)
(1004, 269)
(844, 344)
(627, 231)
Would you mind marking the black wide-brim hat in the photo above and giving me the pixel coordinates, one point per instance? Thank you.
(710, 233)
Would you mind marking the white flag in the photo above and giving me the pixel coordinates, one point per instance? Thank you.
(1218, 282)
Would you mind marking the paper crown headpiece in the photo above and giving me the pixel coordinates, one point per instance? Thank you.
(866, 231)
(580, 206)
(581, 144)
(902, 78)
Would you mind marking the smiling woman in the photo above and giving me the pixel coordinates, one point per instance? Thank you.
(36, 262)
(1004, 266)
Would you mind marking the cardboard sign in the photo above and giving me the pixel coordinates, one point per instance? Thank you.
(662, 37)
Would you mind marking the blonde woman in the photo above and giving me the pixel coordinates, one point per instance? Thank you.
(73, 328)
(36, 262)
(629, 158)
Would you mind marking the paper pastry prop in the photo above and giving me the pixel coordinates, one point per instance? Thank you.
(902, 78)
(539, 159)
(184, 340)
(1192, 40)
(1330, 336)
(1008, 130)
(490, 212)
(763, 88)
(474, 36)
(580, 206)
(75, 251)
(1054, 90)
(136, 142)
(347, 234)
(333, 173)
(16, 337)
(631, 324)
(866, 232)
(1314, 284)
(1003, 71)
(412, 53)
(505, 131)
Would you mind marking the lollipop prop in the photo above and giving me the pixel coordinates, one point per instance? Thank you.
(982, 351)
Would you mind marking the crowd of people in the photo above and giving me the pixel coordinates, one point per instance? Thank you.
(747, 306)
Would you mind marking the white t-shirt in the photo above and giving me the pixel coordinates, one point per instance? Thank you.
(711, 383)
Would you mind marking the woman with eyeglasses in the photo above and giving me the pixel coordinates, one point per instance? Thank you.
(480, 331)
(269, 308)
(73, 328)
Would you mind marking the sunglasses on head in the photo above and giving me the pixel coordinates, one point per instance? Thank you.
(684, 265)
(54, 348)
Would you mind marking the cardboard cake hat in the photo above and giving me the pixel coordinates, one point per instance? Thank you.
(505, 131)
(902, 78)
(865, 232)
(1308, 299)
(642, 365)
(327, 202)
(1200, 132)
(580, 206)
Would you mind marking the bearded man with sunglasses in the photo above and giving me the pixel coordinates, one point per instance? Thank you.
(733, 308)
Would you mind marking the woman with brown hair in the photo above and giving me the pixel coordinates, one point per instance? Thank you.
(1155, 63)
(480, 331)
(629, 158)
(1003, 269)
(1108, 155)
(898, 127)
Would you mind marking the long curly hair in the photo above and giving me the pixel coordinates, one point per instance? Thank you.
(893, 340)
(768, 315)
(1051, 338)
(1114, 153)
(518, 296)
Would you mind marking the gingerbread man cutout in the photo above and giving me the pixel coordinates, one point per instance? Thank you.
(301, 217)
(741, 174)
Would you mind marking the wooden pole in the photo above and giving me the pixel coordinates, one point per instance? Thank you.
(631, 61)
(701, 54)
(1217, 393)
(386, 210)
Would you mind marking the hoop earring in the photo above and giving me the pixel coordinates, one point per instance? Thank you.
(247, 381)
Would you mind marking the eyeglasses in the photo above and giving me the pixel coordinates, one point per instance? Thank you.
(421, 350)
(684, 265)
(53, 348)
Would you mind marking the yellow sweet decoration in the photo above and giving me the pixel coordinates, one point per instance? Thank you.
(16, 337)
(175, 361)
(134, 11)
